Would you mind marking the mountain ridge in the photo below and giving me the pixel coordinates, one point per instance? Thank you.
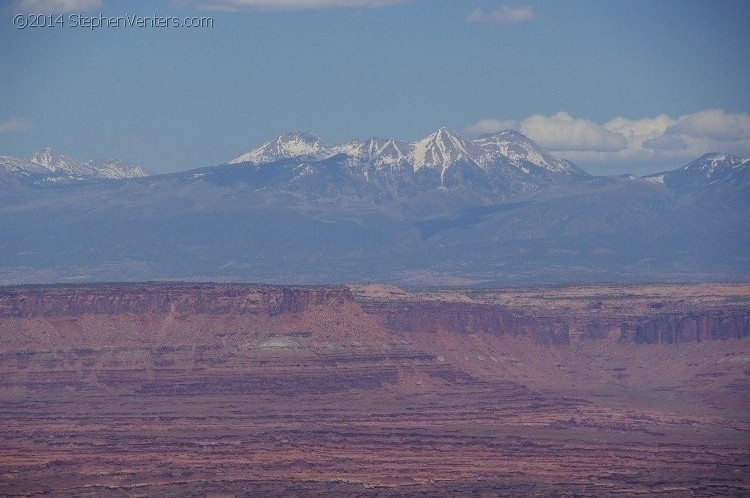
(51, 167)
(709, 169)
(504, 163)
(440, 148)
(366, 215)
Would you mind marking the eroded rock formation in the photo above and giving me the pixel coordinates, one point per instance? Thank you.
(694, 327)
(220, 306)
(212, 389)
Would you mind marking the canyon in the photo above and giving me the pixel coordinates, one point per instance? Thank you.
(177, 389)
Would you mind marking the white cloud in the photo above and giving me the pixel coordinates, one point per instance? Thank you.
(635, 129)
(663, 142)
(15, 125)
(563, 132)
(686, 136)
(714, 123)
(240, 5)
(491, 126)
(56, 6)
(505, 14)
(640, 146)
(666, 142)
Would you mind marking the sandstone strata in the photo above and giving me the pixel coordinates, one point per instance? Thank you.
(192, 389)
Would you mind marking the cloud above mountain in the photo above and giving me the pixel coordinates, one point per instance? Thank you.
(715, 124)
(638, 142)
(504, 14)
(563, 132)
(15, 125)
(240, 5)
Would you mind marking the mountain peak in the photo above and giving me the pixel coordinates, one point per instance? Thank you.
(521, 151)
(285, 146)
(49, 166)
(440, 150)
(509, 134)
(444, 133)
(715, 157)
(710, 168)
(43, 156)
(304, 136)
(715, 163)
(50, 160)
(378, 151)
(116, 169)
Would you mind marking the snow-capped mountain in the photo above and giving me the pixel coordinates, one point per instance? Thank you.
(48, 166)
(363, 210)
(520, 151)
(712, 168)
(380, 152)
(115, 169)
(507, 155)
(441, 150)
(297, 144)
(20, 166)
(61, 165)
(504, 162)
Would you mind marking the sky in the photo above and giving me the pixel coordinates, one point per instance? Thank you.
(617, 87)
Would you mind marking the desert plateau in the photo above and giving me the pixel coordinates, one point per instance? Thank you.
(177, 389)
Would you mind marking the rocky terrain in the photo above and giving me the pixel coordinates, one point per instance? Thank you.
(176, 389)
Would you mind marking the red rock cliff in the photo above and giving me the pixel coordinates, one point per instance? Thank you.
(216, 299)
(694, 327)
(466, 318)
(177, 310)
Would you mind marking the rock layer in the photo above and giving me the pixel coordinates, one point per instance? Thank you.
(467, 318)
(210, 389)
(695, 327)
(663, 321)
(187, 299)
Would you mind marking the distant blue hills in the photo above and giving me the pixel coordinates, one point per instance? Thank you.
(444, 210)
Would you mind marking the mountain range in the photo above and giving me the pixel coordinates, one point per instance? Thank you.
(496, 210)
(502, 163)
(441, 149)
(49, 167)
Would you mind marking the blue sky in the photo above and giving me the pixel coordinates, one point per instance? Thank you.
(615, 86)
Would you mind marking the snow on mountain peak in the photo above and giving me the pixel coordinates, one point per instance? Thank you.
(353, 148)
(114, 169)
(54, 162)
(285, 146)
(43, 158)
(55, 167)
(381, 152)
(711, 168)
(441, 150)
(715, 163)
(393, 151)
(519, 150)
